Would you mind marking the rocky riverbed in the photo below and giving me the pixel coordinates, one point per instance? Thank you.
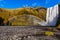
(25, 33)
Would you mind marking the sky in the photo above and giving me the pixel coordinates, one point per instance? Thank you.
(27, 3)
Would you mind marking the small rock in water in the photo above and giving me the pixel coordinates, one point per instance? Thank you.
(29, 36)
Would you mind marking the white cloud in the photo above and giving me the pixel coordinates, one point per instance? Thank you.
(34, 4)
(25, 5)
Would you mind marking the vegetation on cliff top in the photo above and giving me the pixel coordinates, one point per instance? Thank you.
(6, 14)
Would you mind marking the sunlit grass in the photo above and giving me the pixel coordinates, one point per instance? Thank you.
(7, 14)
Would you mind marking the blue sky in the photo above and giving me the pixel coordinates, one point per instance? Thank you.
(24, 3)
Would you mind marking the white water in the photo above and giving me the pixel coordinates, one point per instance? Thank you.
(51, 16)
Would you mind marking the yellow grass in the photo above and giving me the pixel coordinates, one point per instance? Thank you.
(7, 14)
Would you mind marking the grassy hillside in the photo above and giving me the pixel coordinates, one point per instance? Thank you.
(21, 15)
